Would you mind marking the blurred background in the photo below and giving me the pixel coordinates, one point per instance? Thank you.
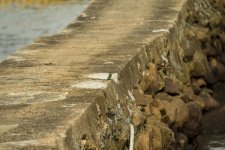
(22, 21)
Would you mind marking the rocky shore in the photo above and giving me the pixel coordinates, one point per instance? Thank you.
(182, 87)
(177, 107)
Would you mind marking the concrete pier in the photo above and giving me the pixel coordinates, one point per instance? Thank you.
(58, 92)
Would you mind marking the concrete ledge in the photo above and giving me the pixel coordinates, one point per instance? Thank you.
(61, 91)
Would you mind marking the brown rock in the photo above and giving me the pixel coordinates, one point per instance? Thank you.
(150, 110)
(192, 128)
(201, 66)
(201, 83)
(145, 81)
(144, 141)
(196, 88)
(196, 32)
(162, 135)
(189, 46)
(157, 103)
(156, 83)
(182, 140)
(182, 113)
(212, 76)
(210, 103)
(217, 70)
(174, 112)
(200, 101)
(195, 111)
(140, 98)
(163, 96)
(137, 118)
(188, 94)
(172, 86)
(168, 111)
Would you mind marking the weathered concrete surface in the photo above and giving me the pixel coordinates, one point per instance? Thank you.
(51, 95)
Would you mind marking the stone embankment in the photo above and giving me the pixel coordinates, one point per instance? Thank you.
(126, 74)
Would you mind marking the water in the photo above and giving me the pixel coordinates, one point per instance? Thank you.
(22, 21)
(214, 142)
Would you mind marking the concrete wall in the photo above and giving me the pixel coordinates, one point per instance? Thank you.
(120, 76)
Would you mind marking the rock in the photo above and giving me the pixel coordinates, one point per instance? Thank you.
(156, 135)
(172, 86)
(199, 100)
(196, 32)
(137, 118)
(201, 83)
(188, 94)
(218, 69)
(189, 46)
(182, 112)
(175, 111)
(156, 83)
(140, 98)
(208, 91)
(201, 66)
(162, 135)
(192, 128)
(157, 103)
(210, 103)
(168, 112)
(212, 76)
(182, 140)
(195, 111)
(214, 121)
(145, 81)
(163, 96)
(196, 88)
(144, 141)
(150, 110)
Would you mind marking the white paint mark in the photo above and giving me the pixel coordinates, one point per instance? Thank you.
(139, 66)
(100, 76)
(90, 85)
(115, 78)
(16, 58)
(83, 15)
(109, 62)
(164, 58)
(131, 96)
(131, 147)
(161, 30)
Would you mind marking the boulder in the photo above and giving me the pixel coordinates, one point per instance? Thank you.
(188, 94)
(201, 66)
(145, 81)
(182, 113)
(181, 140)
(192, 128)
(199, 100)
(156, 135)
(137, 118)
(210, 102)
(195, 111)
(172, 86)
(141, 99)
(175, 111)
(156, 83)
